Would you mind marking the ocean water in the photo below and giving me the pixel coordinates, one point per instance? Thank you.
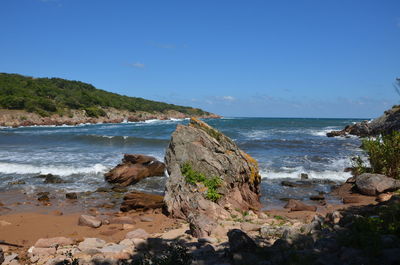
(284, 148)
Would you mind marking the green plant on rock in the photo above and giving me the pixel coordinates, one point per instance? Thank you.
(384, 154)
(211, 183)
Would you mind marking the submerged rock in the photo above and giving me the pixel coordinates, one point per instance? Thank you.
(212, 154)
(295, 205)
(135, 167)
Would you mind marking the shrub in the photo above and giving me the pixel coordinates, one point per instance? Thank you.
(211, 183)
(94, 112)
(384, 154)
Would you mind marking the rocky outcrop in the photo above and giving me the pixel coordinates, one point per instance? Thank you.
(388, 122)
(140, 200)
(135, 167)
(374, 184)
(212, 154)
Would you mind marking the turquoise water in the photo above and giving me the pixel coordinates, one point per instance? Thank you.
(284, 148)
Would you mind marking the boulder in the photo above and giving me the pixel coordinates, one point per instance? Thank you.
(135, 167)
(373, 184)
(295, 205)
(240, 241)
(212, 154)
(88, 220)
(140, 200)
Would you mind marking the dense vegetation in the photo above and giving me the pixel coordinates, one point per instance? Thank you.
(383, 155)
(211, 183)
(56, 95)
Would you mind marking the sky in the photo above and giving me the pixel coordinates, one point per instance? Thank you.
(299, 58)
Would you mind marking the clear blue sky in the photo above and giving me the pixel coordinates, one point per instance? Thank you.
(236, 58)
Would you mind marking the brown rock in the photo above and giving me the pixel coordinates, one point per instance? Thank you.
(211, 153)
(140, 200)
(53, 242)
(135, 167)
(351, 199)
(295, 205)
(88, 220)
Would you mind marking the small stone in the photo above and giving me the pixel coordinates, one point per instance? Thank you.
(71, 196)
(53, 242)
(262, 215)
(127, 226)
(43, 251)
(211, 240)
(88, 220)
(304, 176)
(146, 219)
(138, 233)
(383, 197)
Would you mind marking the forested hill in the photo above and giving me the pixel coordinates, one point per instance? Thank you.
(55, 95)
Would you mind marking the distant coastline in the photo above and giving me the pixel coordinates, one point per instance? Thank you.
(20, 118)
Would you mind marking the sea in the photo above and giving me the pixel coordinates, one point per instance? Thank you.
(284, 148)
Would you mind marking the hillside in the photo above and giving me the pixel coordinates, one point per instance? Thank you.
(31, 100)
(53, 95)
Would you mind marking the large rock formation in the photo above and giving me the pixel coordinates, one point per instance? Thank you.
(388, 122)
(133, 168)
(210, 153)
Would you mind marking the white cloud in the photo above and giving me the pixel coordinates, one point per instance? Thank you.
(228, 98)
(137, 65)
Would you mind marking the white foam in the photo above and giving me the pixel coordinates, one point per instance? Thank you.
(326, 174)
(14, 168)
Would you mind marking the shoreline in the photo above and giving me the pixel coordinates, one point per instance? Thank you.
(21, 118)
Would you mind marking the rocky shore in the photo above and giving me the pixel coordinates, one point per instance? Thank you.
(17, 118)
(210, 214)
(388, 122)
